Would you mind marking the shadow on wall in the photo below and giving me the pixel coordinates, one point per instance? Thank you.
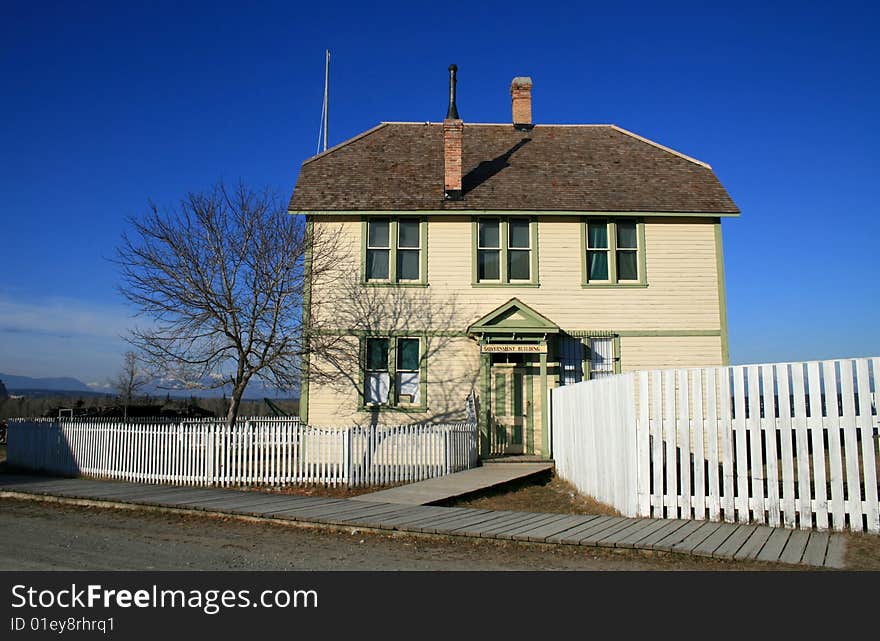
(348, 313)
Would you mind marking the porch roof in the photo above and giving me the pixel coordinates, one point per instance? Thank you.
(514, 317)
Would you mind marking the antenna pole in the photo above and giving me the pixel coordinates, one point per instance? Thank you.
(326, 96)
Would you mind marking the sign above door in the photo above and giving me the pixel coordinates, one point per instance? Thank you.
(513, 348)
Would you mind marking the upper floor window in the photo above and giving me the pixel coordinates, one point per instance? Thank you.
(505, 251)
(395, 250)
(614, 252)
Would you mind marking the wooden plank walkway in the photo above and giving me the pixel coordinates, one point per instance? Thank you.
(453, 485)
(703, 538)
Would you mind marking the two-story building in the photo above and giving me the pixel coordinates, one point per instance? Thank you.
(508, 259)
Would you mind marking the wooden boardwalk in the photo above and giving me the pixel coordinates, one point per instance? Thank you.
(704, 538)
(452, 485)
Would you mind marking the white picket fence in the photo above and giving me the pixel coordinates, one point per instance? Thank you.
(792, 444)
(259, 451)
(594, 434)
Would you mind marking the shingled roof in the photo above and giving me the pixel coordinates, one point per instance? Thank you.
(399, 167)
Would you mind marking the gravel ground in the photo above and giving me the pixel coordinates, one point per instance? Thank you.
(40, 535)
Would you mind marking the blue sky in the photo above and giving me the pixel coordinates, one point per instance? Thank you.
(106, 106)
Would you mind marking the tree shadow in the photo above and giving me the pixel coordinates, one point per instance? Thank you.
(488, 168)
(344, 316)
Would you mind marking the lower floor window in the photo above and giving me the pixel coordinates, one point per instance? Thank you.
(392, 371)
(586, 357)
(571, 356)
(407, 374)
(378, 377)
(601, 357)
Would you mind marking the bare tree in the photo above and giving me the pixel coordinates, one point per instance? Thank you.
(131, 379)
(348, 310)
(222, 278)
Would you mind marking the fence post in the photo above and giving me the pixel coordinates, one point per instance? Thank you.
(346, 450)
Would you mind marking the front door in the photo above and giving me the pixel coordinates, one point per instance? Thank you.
(511, 408)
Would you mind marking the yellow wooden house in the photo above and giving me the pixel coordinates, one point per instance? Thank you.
(504, 259)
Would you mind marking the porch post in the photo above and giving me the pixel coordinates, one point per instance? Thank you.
(485, 404)
(545, 409)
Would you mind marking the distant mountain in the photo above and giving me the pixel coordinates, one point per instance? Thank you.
(255, 390)
(39, 386)
(64, 383)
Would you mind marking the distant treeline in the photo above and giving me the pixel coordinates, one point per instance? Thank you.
(49, 404)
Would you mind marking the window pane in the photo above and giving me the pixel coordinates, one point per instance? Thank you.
(377, 235)
(627, 266)
(377, 264)
(487, 265)
(519, 233)
(377, 354)
(408, 233)
(518, 266)
(407, 264)
(378, 384)
(598, 235)
(626, 235)
(408, 354)
(597, 265)
(408, 387)
(489, 233)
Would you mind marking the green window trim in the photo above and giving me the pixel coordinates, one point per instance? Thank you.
(722, 295)
(392, 280)
(504, 250)
(612, 250)
(586, 338)
(393, 404)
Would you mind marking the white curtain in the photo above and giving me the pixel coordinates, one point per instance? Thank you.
(408, 383)
(602, 357)
(378, 384)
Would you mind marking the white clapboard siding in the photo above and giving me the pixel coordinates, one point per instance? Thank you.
(793, 444)
(257, 451)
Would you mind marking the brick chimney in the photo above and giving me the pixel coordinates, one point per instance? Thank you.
(453, 129)
(521, 97)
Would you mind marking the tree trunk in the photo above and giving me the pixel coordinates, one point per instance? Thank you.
(235, 402)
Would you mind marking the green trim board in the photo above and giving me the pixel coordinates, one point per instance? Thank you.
(511, 212)
(391, 332)
(514, 284)
(510, 331)
(503, 249)
(392, 281)
(306, 321)
(722, 295)
(616, 353)
(613, 282)
(607, 333)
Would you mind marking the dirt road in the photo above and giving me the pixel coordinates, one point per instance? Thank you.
(37, 535)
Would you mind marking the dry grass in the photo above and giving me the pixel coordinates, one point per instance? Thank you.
(324, 491)
(546, 493)
(862, 551)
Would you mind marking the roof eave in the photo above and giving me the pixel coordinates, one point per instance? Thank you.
(513, 212)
